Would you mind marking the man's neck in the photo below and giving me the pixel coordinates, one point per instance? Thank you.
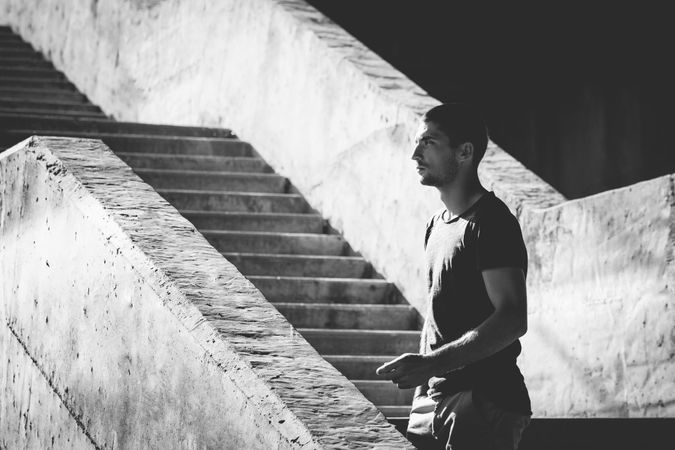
(460, 195)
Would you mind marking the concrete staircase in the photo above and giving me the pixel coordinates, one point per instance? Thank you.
(254, 217)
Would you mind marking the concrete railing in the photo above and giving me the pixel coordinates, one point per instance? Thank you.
(121, 327)
(338, 120)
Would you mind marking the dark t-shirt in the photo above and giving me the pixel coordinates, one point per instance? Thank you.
(486, 236)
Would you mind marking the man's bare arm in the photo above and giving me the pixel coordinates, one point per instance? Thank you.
(507, 292)
(422, 388)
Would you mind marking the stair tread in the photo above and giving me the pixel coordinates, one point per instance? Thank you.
(375, 383)
(33, 72)
(103, 135)
(393, 412)
(256, 221)
(44, 101)
(18, 46)
(383, 358)
(4, 80)
(346, 306)
(74, 123)
(23, 56)
(356, 280)
(14, 46)
(219, 173)
(247, 214)
(22, 61)
(42, 94)
(293, 256)
(18, 93)
(33, 111)
(234, 193)
(132, 136)
(199, 157)
(349, 331)
(268, 233)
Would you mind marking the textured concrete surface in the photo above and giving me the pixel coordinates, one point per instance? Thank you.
(32, 414)
(245, 64)
(122, 327)
(601, 340)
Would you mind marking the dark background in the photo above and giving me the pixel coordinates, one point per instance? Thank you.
(581, 93)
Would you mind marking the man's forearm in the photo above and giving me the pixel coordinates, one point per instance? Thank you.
(495, 333)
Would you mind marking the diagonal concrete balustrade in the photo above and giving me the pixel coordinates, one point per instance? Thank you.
(122, 327)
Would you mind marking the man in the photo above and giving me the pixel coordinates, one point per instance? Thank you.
(470, 393)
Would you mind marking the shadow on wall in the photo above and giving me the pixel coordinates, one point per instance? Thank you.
(588, 110)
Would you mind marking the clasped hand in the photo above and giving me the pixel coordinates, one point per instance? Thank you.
(408, 370)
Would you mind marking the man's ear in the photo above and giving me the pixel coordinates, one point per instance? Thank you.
(465, 151)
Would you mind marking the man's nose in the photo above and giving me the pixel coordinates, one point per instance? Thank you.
(417, 153)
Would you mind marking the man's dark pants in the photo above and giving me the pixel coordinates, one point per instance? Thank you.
(462, 421)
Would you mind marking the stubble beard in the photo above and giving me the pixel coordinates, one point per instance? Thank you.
(428, 179)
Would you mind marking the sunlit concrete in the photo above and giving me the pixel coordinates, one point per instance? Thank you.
(121, 327)
(602, 304)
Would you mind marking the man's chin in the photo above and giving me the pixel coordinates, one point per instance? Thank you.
(426, 181)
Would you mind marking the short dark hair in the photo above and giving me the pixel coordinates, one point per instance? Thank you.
(461, 123)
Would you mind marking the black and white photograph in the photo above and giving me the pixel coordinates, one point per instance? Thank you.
(337, 224)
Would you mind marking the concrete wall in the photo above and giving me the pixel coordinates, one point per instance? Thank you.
(338, 120)
(601, 339)
(121, 327)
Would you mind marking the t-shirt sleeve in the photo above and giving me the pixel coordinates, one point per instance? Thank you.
(499, 243)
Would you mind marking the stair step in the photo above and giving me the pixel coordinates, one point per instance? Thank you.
(280, 243)
(299, 265)
(143, 143)
(358, 367)
(16, 47)
(12, 40)
(10, 36)
(39, 122)
(36, 72)
(39, 94)
(327, 290)
(12, 102)
(210, 180)
(384, 392)
(179, 145)
(194, 162)
(270, 222)
(351, 316)
(362, 342)
(66, 114)
(10, 82)
(20, 61)
(234, 201)
(395, 412)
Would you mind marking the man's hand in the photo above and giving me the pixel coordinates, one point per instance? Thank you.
(408, 370)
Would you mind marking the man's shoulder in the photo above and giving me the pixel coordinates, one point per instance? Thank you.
(430, 224)
(492, 208)
(435, 217)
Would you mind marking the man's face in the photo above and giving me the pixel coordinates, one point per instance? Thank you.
(436, 160)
